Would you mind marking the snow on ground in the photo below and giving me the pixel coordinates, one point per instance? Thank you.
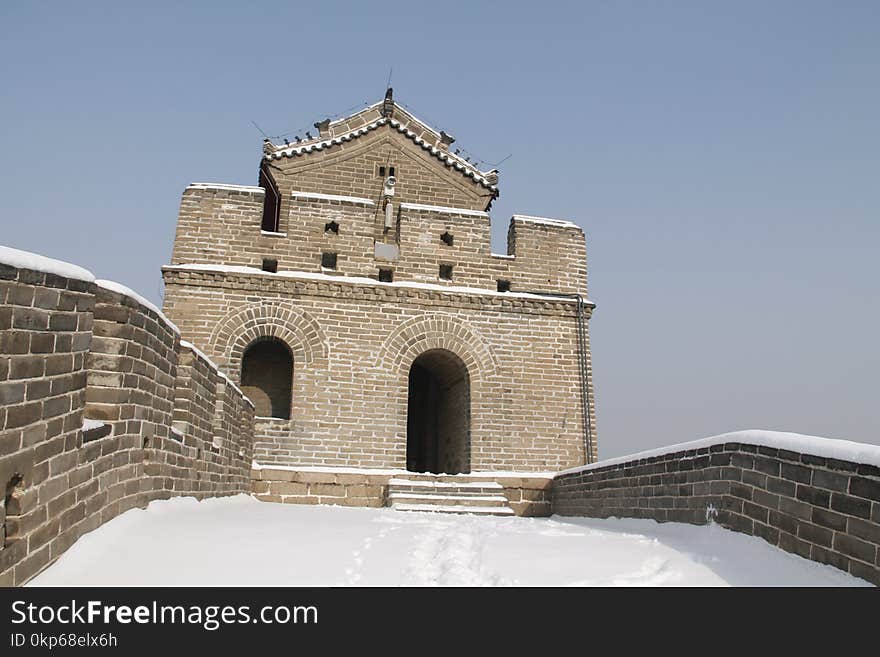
(241, 541)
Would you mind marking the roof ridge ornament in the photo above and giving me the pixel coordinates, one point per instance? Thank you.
(388, 103)
(323, 128)
(446, 140)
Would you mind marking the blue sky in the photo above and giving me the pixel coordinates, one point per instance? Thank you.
(723, 159)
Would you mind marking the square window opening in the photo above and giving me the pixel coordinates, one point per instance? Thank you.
(503, 286)
(446, 272)
(328, 260)
(386, 275)
(270, 265)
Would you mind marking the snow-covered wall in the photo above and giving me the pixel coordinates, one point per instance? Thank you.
(815, 497)
(102, 408)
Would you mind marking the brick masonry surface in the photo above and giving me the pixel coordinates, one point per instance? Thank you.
(103, 409)
(353, 345)
(822, 509)
(353, 338)
(526, 495)
(162, 421)
(221, 226)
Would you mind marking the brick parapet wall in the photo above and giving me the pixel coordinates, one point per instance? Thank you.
(824, 509)
(205, 213)
(132, 365)
(195, 393)
(221, 226)
(549, 256)
(71, 350)
(45, 331)
(234, 432)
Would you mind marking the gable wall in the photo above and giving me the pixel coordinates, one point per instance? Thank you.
(350, 169)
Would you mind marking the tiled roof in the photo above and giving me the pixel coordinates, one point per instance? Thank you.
(310, 147)
(449, 159)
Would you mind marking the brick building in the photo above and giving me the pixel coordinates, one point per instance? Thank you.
(343, 335)
(354, 297)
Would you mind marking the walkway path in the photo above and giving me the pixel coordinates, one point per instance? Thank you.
(240, 541)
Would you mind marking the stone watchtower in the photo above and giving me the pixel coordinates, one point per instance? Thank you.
(354, 297)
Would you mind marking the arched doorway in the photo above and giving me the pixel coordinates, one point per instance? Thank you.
(438, 424)
(267, 377)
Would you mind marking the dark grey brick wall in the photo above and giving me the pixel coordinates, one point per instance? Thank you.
(71, 350)
(820, 508)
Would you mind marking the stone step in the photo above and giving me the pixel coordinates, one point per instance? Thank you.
(428, 476)
(447, 500)
(456, 509)
(434, 494)
(474, 487)
(460, 496)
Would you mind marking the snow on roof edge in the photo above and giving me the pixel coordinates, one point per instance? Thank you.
(445, 155)
(333, 197)
(365, 108)
(224, 186)
(326, 142)
(545, 220)
(36, 262)
(119, 288)
(417, 119)
(469, 169)
(441, 208)
(398, 105)
(843, 450)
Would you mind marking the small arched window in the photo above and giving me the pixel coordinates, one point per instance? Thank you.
(267, 377)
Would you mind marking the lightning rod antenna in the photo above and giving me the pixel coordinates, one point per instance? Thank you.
(265, 136)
